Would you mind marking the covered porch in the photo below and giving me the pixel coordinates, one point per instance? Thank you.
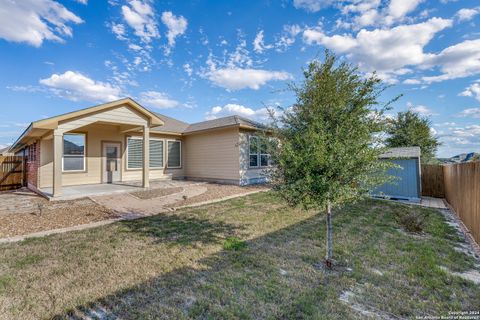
(84, 152)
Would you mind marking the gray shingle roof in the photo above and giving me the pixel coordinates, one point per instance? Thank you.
(222, 122)
(170, 125)
(403, 152)
(177, 126)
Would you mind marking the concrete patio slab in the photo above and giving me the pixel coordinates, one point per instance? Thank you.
(89, 190)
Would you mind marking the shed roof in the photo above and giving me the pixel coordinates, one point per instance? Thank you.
(402, 152)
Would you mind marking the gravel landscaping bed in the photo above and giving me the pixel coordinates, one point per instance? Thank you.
(156, 193)
(53, 215)
(217, 191)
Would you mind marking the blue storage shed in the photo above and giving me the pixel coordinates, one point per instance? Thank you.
(407, 185)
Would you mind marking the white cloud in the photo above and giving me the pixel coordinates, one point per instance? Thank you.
(157, 100)
(188, 69)
(140, 16)
(82, 1)
(387, 51)
(238, 78)
(472, 91)
(118, 30)
(467, 14)
(457, 61)
(135, 47)
(362, 13)
(412, 81)
(398, 9)
(34, 21)
(287, 37)
(176, 26)
(312, 5)
(423, 110)
(470, 113)
(235, 71)
(75, 86)
(237, 109)
(259, 45)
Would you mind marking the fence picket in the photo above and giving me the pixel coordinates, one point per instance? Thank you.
(11, 172)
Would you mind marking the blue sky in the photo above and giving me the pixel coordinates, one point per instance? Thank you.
(199, 60)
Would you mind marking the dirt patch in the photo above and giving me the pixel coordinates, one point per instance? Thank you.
(53, 215)
(156, 193)
(216, 191)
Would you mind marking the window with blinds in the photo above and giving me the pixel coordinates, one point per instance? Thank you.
(156, 153)
(174, 154)
(135, 153)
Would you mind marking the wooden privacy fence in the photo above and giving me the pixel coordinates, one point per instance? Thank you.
(462, 192)
(432, 181)
(12, 172)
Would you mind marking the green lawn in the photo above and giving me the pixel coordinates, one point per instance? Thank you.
(248, 258)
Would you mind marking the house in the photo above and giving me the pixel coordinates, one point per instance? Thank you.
(107, 144)
(407, 185)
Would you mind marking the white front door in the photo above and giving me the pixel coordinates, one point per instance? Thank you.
(111, 162)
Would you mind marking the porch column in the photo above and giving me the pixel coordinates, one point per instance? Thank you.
(57, 162)
(146, 156)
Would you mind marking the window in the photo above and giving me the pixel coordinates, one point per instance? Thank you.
(156, 153)
(32, 152)
(264, 154)
(174, 154)
(135, 153)
(74, 152)
(258, 152)
(253, 151)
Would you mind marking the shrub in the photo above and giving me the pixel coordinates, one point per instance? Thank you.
(234, 243)
(413, 221)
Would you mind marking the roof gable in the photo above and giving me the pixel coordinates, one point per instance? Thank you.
(52, 123)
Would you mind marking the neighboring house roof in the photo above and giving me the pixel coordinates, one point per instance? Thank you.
(4, 150)
(403, 152)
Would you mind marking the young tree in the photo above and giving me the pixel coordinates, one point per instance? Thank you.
(327, 150)
(409, 129)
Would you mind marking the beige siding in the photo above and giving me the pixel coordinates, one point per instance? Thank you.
(97, 133)
(123, 115)
(212, 155)
(46, 163)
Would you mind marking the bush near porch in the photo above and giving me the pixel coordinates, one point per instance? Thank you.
(176, 265)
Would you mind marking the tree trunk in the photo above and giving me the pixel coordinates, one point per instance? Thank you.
(328, 257)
